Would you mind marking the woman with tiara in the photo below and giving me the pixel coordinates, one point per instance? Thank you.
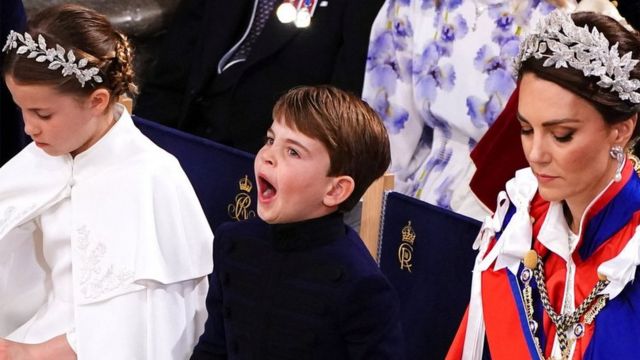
(556, 263)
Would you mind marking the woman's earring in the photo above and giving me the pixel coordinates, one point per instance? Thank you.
(617, 152)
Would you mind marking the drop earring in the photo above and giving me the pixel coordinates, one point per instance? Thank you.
(617, 153)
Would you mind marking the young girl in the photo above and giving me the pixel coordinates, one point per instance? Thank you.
(104, 248)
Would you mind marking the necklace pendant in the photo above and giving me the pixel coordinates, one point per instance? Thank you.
(526, 275)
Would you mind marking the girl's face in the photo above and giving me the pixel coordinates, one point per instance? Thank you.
(59, 124)
(566, 142)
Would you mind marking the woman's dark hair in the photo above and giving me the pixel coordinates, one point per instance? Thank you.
(90, 36)
(606, 102)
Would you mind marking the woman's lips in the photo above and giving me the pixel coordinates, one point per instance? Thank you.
(544, 178)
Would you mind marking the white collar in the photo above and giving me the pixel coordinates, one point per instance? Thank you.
(105, 152)
(554, 232)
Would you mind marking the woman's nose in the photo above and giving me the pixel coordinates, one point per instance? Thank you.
(537, 151)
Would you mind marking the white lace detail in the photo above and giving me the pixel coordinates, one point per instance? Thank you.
(96, 276)
(10, 215)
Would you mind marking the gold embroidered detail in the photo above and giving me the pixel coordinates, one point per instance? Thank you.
(245, 184)
(595, 309)
(634, 161)
(405, 250)
(240, 209)
(528, 300)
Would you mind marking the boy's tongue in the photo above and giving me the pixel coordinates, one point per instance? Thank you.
(268, 191)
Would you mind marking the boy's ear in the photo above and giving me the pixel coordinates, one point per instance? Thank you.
(341, 189)
(99, 100)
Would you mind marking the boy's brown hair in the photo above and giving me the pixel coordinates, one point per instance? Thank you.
(351, 131)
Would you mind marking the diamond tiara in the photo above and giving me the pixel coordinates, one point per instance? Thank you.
(58, 57)
(581, 49)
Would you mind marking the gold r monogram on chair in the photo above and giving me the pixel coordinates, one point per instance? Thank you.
(405, 250)
(240, 209)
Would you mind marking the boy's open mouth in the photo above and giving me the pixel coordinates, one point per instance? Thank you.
(267, 191)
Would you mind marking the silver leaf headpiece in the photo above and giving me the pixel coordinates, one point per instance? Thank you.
(584, 50)
(57, 57)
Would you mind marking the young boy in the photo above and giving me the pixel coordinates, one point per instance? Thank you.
(297, 283)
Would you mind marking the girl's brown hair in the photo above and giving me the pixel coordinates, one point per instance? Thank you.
(90, 36)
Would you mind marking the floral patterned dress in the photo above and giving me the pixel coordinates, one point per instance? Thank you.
(439, 73)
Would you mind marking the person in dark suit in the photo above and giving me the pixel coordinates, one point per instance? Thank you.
(296, 283)
(221, 69)
(630, 10)
(12, 137)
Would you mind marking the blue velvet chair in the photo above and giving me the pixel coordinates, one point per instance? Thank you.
(425, 251)
(222, 177)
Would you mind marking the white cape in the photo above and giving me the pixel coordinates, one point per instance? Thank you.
(141, 246)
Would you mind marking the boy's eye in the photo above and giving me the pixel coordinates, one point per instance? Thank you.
(268, 140)
(292, 152)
